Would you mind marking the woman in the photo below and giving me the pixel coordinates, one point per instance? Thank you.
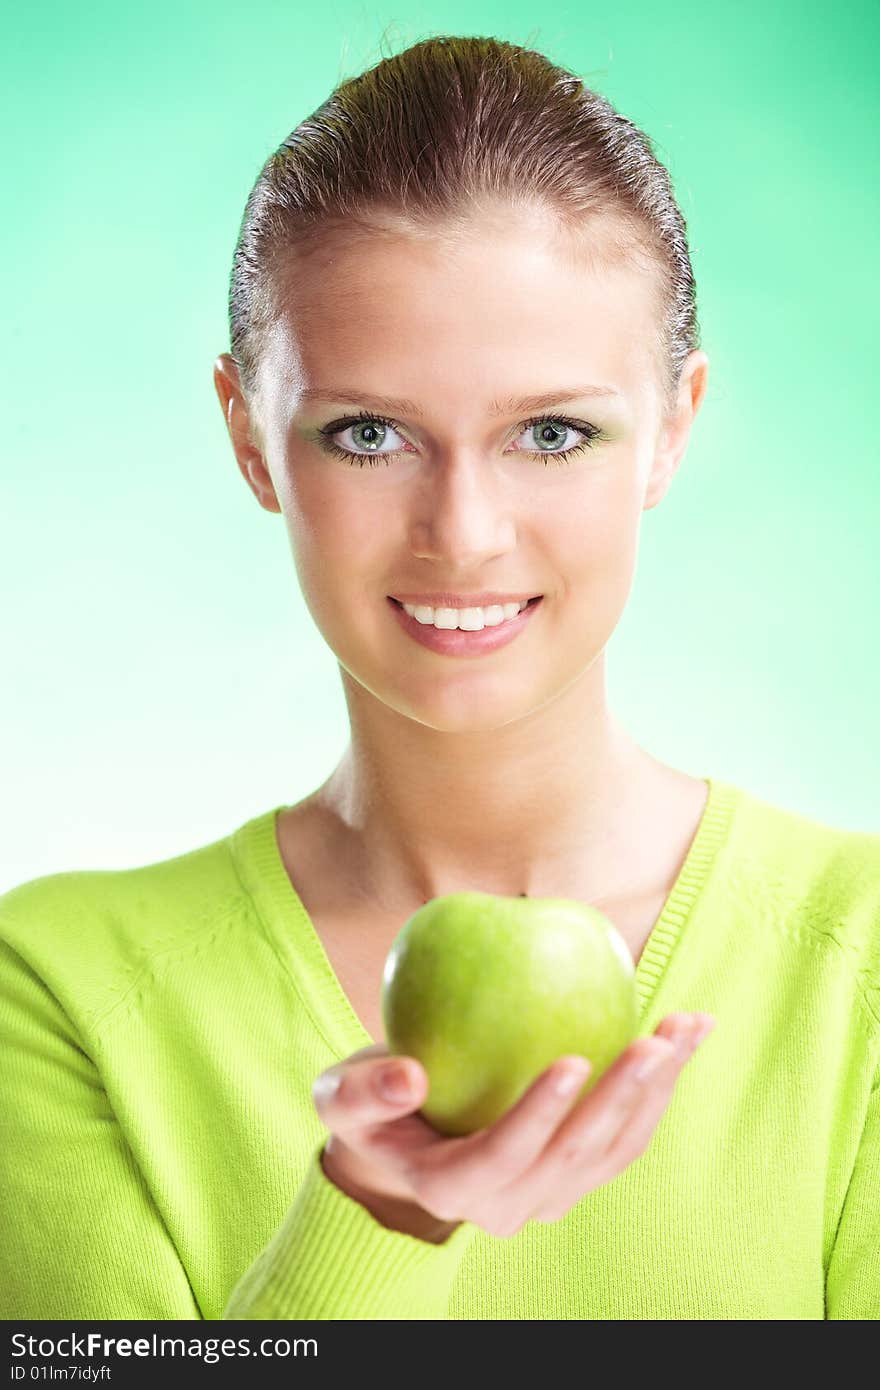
(464, 362)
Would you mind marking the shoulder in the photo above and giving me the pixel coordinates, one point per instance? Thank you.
(805, 874)
(89, 934)
(809, 852)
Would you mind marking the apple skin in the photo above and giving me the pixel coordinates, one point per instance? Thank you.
(486, 991)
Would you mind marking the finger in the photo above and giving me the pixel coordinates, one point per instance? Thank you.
(685, 1025)
(594, 1123)
(514, 1151)
(497, 1154)
(352, 1095)
(635, 1134)
(584, 1168)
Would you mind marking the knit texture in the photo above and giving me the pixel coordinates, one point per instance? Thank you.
(161, 1028)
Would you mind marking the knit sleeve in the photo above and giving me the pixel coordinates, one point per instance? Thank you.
(330, 1258)
(852, 1287)
(80, 1234)
(82, 1237)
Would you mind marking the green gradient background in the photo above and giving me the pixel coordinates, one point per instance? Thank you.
(163, 680)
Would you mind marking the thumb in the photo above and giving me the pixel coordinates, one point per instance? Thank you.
(355, 1094)
(400, 1081)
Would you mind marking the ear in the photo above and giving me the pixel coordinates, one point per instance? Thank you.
(244, 432)
(675, 429)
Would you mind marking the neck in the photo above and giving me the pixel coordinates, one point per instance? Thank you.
(555, 804)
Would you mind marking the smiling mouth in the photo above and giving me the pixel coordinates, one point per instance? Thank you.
(528, 605)
(474, 634)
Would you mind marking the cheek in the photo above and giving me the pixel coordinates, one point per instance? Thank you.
(596, 532)
(326, 525)
(335, 542)
(596, 546)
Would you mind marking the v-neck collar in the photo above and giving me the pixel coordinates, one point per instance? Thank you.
(264, 876)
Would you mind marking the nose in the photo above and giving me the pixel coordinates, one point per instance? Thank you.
(463, 512)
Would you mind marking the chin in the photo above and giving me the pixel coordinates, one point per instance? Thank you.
(460, 705)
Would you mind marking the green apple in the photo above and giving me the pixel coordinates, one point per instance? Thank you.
(486, 991)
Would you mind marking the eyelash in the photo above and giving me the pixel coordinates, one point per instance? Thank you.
(563, 456)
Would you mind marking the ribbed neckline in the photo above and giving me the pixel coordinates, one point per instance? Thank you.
(257, 855)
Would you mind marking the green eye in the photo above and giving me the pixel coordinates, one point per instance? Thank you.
(371, 457)
(559, 423)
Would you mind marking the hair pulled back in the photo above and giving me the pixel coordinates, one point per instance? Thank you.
(417, 142)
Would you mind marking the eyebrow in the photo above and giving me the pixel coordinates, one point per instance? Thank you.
(508, 406)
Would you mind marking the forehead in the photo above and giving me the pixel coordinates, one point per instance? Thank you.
(499, 304)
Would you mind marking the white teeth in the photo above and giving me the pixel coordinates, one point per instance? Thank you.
(468, 619)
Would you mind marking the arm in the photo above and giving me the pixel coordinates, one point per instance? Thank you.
(852, 1285)
(82, 1237)
(331, 1258)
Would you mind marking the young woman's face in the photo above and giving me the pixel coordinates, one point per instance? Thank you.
(446, 482)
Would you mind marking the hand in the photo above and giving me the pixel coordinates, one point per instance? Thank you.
(532, 1164)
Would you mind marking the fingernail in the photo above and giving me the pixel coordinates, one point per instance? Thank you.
(649, 1064)
(568, 1082)
(394, 1084)
(326, 1085)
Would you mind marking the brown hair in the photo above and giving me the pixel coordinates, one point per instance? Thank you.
(415, 142)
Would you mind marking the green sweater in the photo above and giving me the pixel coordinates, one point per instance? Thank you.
(161, 1027)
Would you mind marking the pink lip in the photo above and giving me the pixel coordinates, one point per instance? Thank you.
(455, 642)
